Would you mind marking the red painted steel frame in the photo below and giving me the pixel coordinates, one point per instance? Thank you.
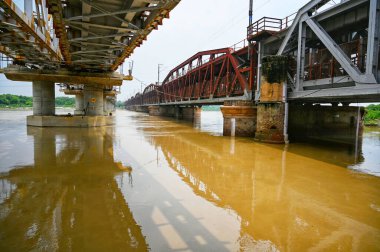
(206, 75)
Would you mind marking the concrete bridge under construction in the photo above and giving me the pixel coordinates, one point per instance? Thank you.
(78, 44)
(276, 83)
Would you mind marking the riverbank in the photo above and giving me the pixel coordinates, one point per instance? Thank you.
(372, 123)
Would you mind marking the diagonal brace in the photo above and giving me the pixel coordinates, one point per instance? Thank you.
(310, 5)
(338, 53)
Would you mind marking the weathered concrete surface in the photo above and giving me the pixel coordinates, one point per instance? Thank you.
(239, 118)
(154, 110)
(270, 92)
(109, 104)
(270, 122)
(69, 121)
(17, 73)
(79, 104)
(189, 113)
(43, 98)
(93, 100)
(138, 108)
(325, 123)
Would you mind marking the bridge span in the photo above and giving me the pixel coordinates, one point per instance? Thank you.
(78, 44)
(281, 73)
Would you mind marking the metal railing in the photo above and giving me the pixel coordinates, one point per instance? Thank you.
(239, 45)
(269, 24)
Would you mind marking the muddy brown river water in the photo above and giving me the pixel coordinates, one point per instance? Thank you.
(151, 183)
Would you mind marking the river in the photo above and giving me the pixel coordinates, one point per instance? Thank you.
(158, 184)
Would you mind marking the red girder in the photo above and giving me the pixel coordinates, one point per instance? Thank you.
(206, 75)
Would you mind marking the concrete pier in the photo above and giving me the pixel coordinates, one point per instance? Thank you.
(79, 104)
(187, 113)
(190, 113)
(271, 106)
(43, 98)
(339, 124)
(239, 118)
(270, 122)
(90, 108)
(109, 105)
(93, 100)
(153, 110)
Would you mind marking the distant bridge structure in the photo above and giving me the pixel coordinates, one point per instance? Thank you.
(332, 56)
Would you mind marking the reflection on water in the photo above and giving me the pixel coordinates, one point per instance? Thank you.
(155, 183)
(68, 199)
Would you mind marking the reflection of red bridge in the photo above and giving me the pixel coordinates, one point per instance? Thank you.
(208, 75)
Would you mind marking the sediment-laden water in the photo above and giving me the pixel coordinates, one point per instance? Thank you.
(160, 184)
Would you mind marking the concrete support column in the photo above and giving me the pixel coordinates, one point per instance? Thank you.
(139, 108)
(109, 105)
(339, 124)
(197, 117)
(270, 122)
(79, 104)
(197, 111)
(271, 107)
(43, 98)
(188, 113)
(239, 118)
(93, 100)
(154, 110)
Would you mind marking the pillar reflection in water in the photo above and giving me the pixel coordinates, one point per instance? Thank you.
(69, 199)
(285, 201)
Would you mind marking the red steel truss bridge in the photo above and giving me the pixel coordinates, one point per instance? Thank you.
(335, 52)
(207, 77)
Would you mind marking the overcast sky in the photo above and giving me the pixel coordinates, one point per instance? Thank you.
(193, 26)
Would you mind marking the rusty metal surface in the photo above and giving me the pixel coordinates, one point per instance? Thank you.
(217, 75)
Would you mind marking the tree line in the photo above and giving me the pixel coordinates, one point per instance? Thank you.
(372, 114)
(20, 101)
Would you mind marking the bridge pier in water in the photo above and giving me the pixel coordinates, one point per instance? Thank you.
(339, 124)
(92, 107)
(93, 99)
(239, 118)
(43, 98)
(188, 113)
(79, 104)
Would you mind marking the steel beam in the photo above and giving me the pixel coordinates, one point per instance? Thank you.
(100, 37)
(339, 8)
(107, 27)
(300, 55)
(95, 51)
(373, 38)
(338, 53)
(104, 14)
(358, 93)
(98, 44)
(314, 4)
